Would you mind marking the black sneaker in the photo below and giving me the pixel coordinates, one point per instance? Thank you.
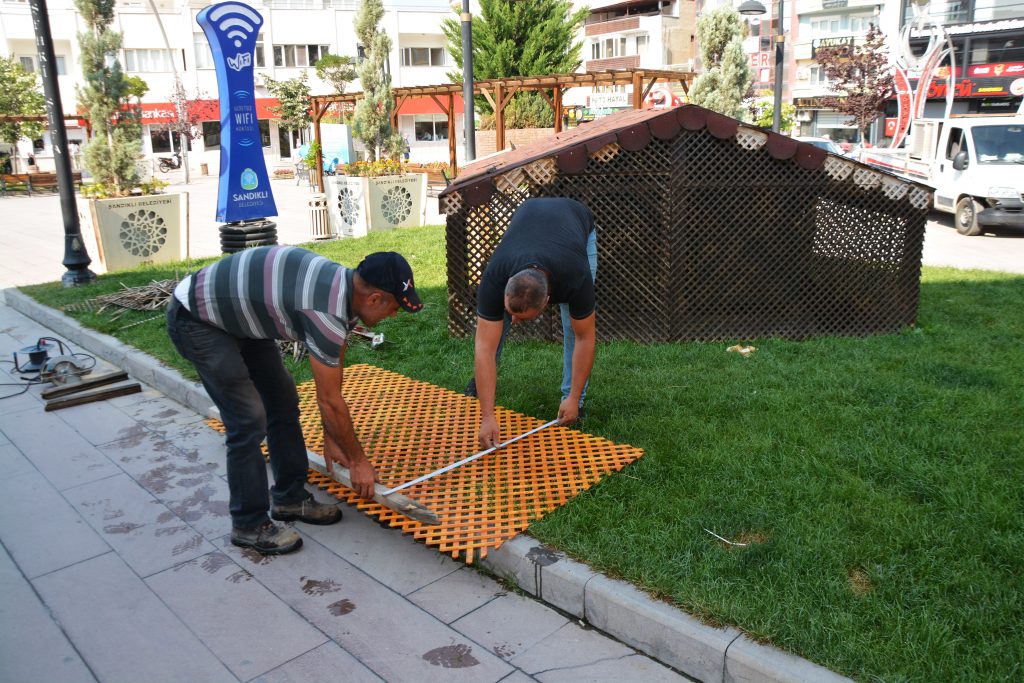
(470, 388)
(308, 511)
(268, 538)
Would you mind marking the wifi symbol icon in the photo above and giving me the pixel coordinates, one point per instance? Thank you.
(235, 21)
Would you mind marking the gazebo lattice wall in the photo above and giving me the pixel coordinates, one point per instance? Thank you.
(707, 230)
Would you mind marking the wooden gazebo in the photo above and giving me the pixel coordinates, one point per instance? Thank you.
(499, 92)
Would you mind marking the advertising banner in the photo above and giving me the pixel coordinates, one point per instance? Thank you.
(244, 191)
(904, 105)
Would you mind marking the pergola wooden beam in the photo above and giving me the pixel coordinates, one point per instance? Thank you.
(642, 81)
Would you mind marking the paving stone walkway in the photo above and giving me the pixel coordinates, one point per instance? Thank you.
(115, 566)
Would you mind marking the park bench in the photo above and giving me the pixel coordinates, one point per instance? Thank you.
(33, 182)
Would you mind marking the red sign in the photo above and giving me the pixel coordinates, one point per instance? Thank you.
(903, 107)
(200, 110)
(760, 60)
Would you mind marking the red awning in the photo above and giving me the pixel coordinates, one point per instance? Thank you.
(427, 105)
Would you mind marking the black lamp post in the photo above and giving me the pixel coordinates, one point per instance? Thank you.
(467, 81)
(754, 8)
(76, 259)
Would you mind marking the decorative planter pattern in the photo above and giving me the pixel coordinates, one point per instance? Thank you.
(358, 204)
(133, 231)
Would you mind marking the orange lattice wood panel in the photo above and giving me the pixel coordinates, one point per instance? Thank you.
(410, 428)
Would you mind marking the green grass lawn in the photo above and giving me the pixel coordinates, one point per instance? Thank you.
(878, 482)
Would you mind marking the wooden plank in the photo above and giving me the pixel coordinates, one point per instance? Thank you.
(92, 383)
(396, 501)
(93, 396)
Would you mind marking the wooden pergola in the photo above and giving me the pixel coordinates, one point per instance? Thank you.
(499, 92)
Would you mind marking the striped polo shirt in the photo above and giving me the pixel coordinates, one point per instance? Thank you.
(277, 293)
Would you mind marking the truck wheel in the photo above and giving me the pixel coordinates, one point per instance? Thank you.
(967, 210)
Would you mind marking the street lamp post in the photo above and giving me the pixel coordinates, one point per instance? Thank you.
(467, 81)
(755, 8)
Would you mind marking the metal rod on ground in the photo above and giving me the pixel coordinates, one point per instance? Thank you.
(469, 459)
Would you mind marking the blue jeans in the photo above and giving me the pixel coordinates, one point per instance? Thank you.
(256, 395)
(568, 336)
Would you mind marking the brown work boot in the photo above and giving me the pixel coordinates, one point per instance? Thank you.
(268, 538)
(308, 511)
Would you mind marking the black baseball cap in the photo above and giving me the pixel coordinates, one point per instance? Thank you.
(389, 271)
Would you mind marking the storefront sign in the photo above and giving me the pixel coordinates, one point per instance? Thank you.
(983, 80)
(833, 4)
(244, 191)
(201, 110)
(607, 100)
(844, 45)
(903, 108)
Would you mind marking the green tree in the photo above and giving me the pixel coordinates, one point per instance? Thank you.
(862, 75)
(112, 152)
(762, 111)
(293, 101)
(513, 38)
(727, 75)
(372, 120)
(20, 96)
(337, 70)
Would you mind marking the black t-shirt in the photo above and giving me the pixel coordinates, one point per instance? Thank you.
(549, 233)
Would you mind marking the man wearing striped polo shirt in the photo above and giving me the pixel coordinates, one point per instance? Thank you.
(225, 319)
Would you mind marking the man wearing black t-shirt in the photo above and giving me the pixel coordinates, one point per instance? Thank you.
(548, 255)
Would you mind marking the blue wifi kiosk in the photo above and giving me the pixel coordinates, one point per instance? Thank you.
(244, 192)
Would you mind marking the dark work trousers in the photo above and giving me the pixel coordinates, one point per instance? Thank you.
(256, 395)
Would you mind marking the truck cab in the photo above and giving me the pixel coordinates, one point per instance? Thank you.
(975, 165)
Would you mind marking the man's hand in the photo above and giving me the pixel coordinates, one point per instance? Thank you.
(363, 477)
(489, 435)
(333, 454)
(568, 411)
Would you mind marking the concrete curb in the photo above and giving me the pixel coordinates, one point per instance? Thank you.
(615, 607)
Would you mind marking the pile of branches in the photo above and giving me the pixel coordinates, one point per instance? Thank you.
(151, 297)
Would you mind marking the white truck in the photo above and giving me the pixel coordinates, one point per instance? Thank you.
(974, 163)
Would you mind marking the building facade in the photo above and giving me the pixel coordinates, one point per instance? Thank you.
(633, 34)
(295, 34)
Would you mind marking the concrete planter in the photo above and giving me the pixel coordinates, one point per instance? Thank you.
(358, 205)
(133, 231)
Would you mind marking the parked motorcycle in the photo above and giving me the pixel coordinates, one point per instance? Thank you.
(170, 163)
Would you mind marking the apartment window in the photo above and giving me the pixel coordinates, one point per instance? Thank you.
(818, 76)
(28, 63)
(423, 56)
(204, 58)
(260, 56)
(298, 55)
(430, 127)
(861, 24)
(641, 45)
(607, 48)
(147, 61)
(211, 134)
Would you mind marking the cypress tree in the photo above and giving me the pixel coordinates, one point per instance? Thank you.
(727, 75)
(111, 153)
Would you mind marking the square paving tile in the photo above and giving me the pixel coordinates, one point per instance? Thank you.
(38, 542)
(32, 646)
(510, 625)
(243, 623)
(98, 422)
(148, 536)
(632, 669)
(12, 462)
(37, 435)
(394, 559)
(124, 631)
(568, 647)
(395, 639)
(325, 663)
(457, 594)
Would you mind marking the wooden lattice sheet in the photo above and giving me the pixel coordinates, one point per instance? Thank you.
(409, 428)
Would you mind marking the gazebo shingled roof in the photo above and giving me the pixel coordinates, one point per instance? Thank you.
(707, 229)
